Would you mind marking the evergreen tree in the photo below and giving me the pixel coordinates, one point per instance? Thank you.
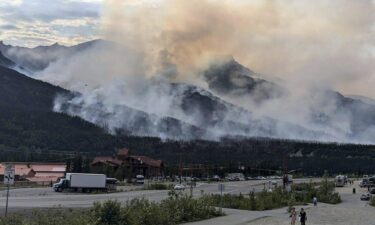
(77, 164)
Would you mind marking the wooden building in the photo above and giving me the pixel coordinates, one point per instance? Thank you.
(133, 164)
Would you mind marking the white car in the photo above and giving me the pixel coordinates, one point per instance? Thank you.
(365, 197)
(179, 187)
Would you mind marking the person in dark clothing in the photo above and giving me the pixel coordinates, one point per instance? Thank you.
(303, 216)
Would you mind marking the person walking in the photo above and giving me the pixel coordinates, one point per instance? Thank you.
(315, 201)
(302, 217)
(293, 216)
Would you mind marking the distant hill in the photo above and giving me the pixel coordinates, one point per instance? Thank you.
(38, 58)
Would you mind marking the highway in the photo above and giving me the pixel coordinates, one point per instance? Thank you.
(31, 198)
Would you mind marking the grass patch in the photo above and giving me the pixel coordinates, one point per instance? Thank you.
(324, 192)
(174, 210)
(301, 194)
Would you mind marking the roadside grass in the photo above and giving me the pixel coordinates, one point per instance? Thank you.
(174, 210)
(25, 184)
(50, 216)
(301, 194)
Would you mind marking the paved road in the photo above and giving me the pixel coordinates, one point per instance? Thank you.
(351, 211)
(47, 198)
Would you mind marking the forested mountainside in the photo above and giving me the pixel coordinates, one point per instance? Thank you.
(27, 119)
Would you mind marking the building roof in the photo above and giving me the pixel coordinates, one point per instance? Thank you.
(43, 179)
(46, 167)
(19, 169)
(25, 168)
(123, 152)
(47, 174)
(147, 160)
(106, 160)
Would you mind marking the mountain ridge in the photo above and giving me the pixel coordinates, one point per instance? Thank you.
(328, 116)
(27, 119)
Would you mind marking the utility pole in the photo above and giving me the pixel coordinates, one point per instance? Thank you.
(180, 169)
(191, 180)
(6, 205)
(221, 189)
(285, 173)
(8, 180)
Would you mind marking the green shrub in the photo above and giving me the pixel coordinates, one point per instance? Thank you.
(324, 192)
(301, 194)
(144, 212)
(108, 213)
(12, 220)
(184, 208)
(372, 201)
(48, 217)
(159, 186)
(174, 210)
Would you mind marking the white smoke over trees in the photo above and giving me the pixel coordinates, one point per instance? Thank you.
(309, 47)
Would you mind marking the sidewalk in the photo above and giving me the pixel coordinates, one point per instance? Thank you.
(240, 217)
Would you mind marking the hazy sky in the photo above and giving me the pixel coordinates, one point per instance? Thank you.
(43, 22)
(329, 42)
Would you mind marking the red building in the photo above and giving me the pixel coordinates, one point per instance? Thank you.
(36, 172)
(136, 165)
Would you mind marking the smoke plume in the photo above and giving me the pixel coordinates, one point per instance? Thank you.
(303, 48)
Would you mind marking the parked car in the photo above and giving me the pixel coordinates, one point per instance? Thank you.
(365, 197)
(215, 178)
(195, 179)
(179, 187)
(139, 179)
(372, 191)
(229, 178)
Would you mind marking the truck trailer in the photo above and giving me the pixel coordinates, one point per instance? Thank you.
(84, 182)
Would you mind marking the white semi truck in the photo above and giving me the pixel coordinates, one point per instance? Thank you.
(340, 180)
(84, 182)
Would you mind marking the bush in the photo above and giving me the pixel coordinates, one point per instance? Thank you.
(108, 213)
(324, 192)
(144, 212)
(159, 186)
(55, 217)
(255, 201)
(372, 201)
(12, 220)
(175, 209)
(301, 194)
(184, 208)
